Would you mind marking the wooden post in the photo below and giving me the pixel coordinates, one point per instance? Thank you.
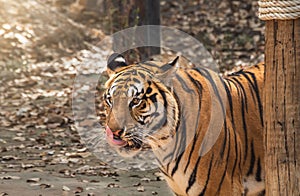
(282, 107)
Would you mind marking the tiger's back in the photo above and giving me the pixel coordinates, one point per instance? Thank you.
(234, 165)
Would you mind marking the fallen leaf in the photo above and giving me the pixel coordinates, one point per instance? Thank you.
(81, 150)
(140, 189)
(94, 181)
(137, 184)
(26, 166)
(10, 178)
(45, 186)
(78, 190)
(145, 179)
(113, 185)
(33, 180)
(65, 188)
(19, 139)
(9, 158)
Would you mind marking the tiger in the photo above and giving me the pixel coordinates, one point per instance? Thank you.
(166, 108)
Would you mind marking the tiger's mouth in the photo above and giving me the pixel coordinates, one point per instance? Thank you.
(118, 140)
(114, 139)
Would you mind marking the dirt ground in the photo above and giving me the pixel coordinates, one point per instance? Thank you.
(28, 183)
(41, 48)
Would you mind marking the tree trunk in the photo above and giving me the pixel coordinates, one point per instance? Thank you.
(282, 107)
(149, 14)
(130, 13)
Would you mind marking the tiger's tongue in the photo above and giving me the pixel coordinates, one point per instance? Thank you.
(110, 138)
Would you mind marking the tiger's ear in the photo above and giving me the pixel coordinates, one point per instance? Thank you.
(174, 62)
(168, 71)
(115, 62)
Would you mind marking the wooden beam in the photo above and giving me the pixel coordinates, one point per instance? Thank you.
(282, 107)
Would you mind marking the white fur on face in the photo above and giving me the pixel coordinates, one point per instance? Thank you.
(134, 90)
(120, 59)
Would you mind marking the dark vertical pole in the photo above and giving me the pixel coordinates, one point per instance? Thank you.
(149, 14)
(131, 13)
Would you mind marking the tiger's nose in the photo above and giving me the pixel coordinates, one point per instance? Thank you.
(118, 133)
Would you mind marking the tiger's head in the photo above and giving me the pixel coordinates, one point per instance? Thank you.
(141, 109)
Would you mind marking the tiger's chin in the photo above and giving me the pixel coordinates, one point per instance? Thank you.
(125, 148)
(128, 151)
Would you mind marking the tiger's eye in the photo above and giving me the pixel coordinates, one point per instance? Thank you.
(135, 101)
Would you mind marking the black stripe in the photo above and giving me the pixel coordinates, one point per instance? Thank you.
(182, 144)
(136, 80)
(128, 73)
(150, 64)
(245, 131)
(208, 76)
(236, 153)
(135, 88)
(165, 173)
(180, 138)
(178, 112)
(141, 75)
(152, 98)
(257, 66)
(164, 120)
(252, 160)
(208, 176)
(171, 154)
(159, 162)
(166, 67)
(191, 152)
(243, 92)
(242, 98)
(240, 160)
(184, 85)
(224, 140)
(258, 171)
(198, 86)
(251, 85)
(163, 94)
(256, 89)
(237, 73)
(192, 178)
(176, 164)
(120, 80)
(159, 124)
(229, 98)
(226, 162)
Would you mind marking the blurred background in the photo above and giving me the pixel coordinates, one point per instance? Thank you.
(43, 42)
